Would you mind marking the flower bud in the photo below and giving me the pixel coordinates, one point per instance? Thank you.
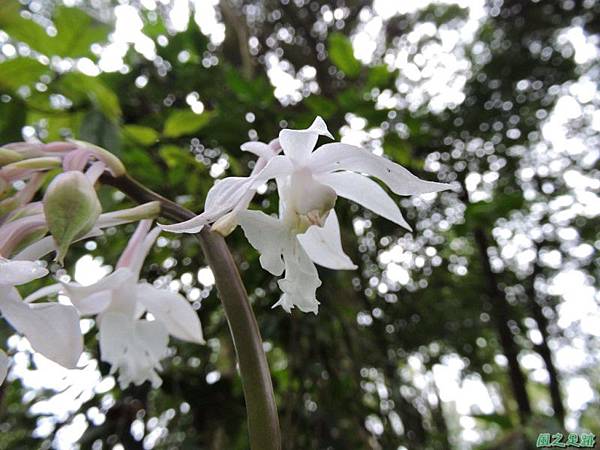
(26, 149)
(18, 168)
(71, 207)
(8, 156)
(113, 164)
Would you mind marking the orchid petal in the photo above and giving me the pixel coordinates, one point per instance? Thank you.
(338, 156)
(300, 283)
(365, 192)
(277, 166)
(13, 273)
(134, 348)
(44, 292)
(260, 149)
(298, 144)
(95, 298)
(46, 245)
(221, 199)
(268, 236)
(324, 246)
(51, 328)
(173, 310)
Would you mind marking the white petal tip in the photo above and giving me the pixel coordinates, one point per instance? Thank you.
(178, 229)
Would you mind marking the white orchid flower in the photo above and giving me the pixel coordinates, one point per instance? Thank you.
(130, 344)
(337, 169)
(314, 179)
(229, 196)
(283, 249)
(52, 329)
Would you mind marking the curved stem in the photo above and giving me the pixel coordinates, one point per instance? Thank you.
(263, 422)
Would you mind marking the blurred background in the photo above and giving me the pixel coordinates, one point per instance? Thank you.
(479, 330)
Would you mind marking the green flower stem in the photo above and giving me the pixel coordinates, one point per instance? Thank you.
(263, 422)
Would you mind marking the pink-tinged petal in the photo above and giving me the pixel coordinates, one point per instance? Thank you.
(112, 219)
(337, 156)
(14, 273)
(173, 310)
(52, 329)
(324, 245)
(298, 144)
(134, 245)
(366, 193)
(138, 247)
(58, 147)
(13, 233)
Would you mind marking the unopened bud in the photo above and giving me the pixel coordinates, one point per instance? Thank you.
(26, 149)
(8, 156)
(42, 163)
(71, 207)
(113, 164)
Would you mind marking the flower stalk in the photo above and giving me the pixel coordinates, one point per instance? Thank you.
(263, 422)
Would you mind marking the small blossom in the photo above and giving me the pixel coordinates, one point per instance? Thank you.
(132, 345)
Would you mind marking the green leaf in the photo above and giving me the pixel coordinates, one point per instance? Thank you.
(76, 31)
(18, 72)
(21, 29)
(381, 77)
(185, 122)
(140, 134)
(78, 86)
(342, 55)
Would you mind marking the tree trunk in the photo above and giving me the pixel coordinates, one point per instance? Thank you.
(501, 315)
(542, 348)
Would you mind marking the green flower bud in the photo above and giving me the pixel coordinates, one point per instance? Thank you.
(72, 208)
(8, 156)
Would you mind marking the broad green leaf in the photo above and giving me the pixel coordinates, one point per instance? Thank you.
(78, 87)
(185, 122)
(76, 31)
(342, 55)
(22, 29)
(140, 134)
(18, 72)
